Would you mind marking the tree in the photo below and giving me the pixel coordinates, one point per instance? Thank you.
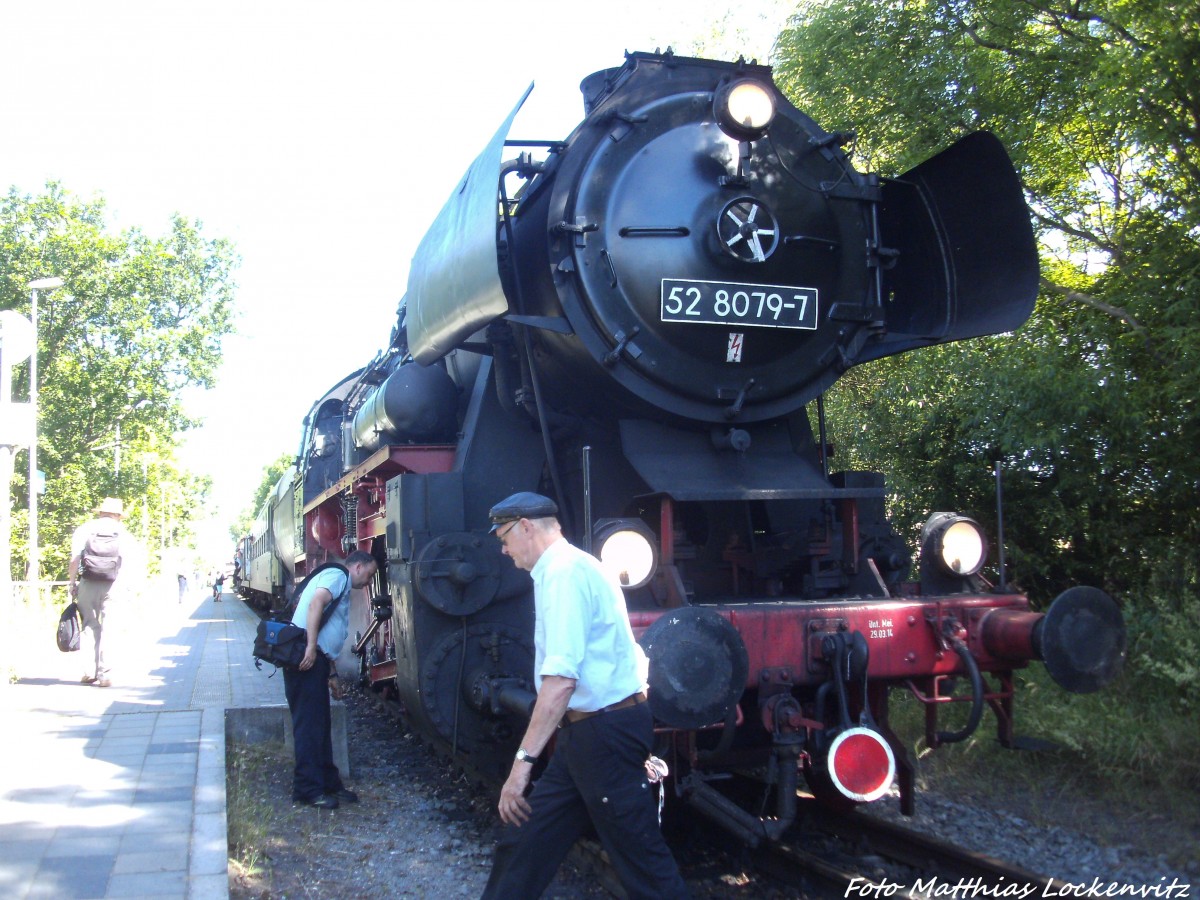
(139, 319)
(1091, 405)
(272, 472)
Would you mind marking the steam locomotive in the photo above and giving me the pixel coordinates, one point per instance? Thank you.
(640, 321)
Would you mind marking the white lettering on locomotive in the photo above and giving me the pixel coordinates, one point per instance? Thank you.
(879, 628)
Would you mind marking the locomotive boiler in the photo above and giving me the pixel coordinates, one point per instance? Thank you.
(640, 321)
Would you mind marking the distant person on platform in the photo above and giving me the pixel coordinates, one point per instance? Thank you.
(218, 587)
(96, 556)
(316, 780)
(590, 675)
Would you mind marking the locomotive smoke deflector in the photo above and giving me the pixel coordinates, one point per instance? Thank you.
(454, 283)
(966, 261)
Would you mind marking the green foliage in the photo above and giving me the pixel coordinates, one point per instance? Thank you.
(1127, 744)
(1091, 407)
(272, 472)
(139, 319)
(746, 31)
(1165, 650)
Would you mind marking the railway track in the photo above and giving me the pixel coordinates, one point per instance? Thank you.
(860, 856)
(827, 854)
(846, 856)
(933, 855)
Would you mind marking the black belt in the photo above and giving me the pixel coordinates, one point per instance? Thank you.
(573, 715)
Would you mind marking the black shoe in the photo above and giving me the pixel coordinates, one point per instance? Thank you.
(325, 801)
(345, 795)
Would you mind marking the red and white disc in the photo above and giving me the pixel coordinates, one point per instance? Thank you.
(861, 764)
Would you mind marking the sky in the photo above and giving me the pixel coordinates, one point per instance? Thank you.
(321, 139)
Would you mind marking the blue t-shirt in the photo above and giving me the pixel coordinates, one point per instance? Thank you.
(333, 635)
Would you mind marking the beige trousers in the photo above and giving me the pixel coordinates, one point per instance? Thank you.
(92, 598)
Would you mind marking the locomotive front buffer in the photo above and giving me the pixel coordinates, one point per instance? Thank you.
(802, 687)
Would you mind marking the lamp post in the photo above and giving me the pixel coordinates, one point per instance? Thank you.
(16, 429)
(41, 284)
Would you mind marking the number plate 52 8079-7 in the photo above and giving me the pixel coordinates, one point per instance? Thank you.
(730, 303)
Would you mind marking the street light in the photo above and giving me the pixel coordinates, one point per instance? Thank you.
(41, 284)
(16, 428)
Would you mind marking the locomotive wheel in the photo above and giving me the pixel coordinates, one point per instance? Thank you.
(448, 683)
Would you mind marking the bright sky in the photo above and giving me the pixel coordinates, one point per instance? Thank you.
(321, 138)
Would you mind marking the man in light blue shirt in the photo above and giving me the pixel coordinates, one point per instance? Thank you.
(316, 780)
(590, 637)
(590, 675)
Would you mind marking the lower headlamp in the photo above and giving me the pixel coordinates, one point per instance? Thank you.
(627, 549)
(957, 544)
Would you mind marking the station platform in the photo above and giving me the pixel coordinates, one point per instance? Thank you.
(120, 791)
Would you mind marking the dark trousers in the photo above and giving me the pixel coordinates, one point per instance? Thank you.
(596, 776)
(308, 698)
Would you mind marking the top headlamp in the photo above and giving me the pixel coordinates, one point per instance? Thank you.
(744, 108)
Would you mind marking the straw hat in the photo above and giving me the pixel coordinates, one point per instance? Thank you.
(111, 506)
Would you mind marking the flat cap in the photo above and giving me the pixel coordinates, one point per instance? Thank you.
(522, 505)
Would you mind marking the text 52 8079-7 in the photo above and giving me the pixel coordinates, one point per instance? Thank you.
(727, 303)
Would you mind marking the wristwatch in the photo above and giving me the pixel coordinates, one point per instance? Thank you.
(522, 756)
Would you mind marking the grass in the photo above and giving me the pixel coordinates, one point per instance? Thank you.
(248, 814)
(276, 848)
(1133, 750)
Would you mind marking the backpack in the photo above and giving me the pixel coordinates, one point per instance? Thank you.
(283, 644)
(69, 628)
(101, 556)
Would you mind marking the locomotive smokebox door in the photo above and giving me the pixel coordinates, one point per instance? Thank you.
(698, 667)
